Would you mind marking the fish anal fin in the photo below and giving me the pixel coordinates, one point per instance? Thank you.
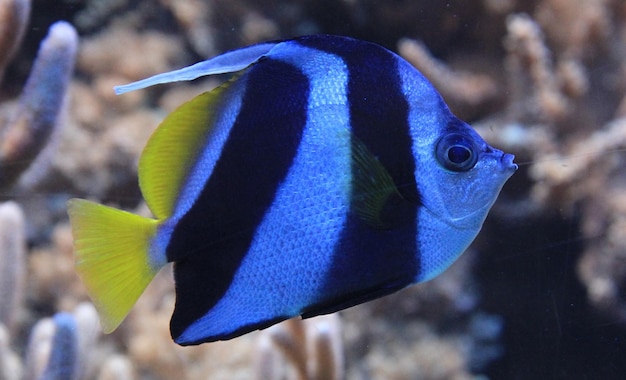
(111, 250)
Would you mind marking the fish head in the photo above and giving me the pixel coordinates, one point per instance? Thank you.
(459, 175)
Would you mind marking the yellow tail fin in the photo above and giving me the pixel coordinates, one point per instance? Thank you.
(111, 252)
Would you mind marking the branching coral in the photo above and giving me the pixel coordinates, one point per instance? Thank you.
(10, 364)
(194, 17)
(566, 81)
(312, 347)
(575, 169)
(60, 346)
(63, 357)
(12, 261)
(530, 69)
(583, 28)
(22, 137)
(37, 115)
(13, 21)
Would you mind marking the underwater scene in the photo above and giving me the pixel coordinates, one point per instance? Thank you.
(276, 183)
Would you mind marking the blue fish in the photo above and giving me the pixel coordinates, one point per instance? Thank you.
(326, 173)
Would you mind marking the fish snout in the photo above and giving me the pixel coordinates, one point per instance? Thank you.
(507, 162)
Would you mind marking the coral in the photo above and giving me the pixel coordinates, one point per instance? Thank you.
(578, 155)
(96, 12)
(144, 54)
(583, 26)
(593, 173)
(63, 358)
(10, 364)
(37, 115)
(429, 357)
(602, 267)
(575, 169)
(530, 67)
(194, 17)
(13, 21)
(59, 347)
(106, 123)
(312, 347)
(117, 367)
(12, 261)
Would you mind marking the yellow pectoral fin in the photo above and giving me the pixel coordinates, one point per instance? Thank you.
(373, 187)
(111, 252)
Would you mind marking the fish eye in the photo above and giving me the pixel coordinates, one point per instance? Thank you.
(457, 152)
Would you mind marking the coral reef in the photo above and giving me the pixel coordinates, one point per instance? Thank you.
(576, 162)
(13, 21)
(12, 261)
(313, 347)
(60, 347)
(37, 113)
(539, 295)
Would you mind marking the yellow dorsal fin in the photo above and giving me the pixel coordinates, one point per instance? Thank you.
(172, 149)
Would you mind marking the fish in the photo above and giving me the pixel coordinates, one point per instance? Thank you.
(325, 173)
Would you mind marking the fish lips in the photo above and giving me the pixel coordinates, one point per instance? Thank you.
(506, 160)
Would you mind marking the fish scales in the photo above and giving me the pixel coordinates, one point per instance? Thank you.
(326, 173)
(326, 259)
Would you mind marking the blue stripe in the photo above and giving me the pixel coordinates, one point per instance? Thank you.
(369, 263)
(293, 245)
(212, 238)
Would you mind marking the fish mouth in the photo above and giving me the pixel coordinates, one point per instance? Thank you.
(507, 162)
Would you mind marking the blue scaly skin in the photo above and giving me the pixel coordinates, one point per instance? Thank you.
(326, 173)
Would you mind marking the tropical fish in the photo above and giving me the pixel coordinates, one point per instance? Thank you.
(326, 173)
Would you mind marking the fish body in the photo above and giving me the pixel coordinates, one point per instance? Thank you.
(326, 173)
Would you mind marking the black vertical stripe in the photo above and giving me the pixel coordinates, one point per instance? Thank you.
(368, 261)
(210, 241)
(378, 108)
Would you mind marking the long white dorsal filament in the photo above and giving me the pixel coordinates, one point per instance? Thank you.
(226, 63)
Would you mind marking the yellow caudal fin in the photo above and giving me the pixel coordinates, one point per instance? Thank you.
(111, 252)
